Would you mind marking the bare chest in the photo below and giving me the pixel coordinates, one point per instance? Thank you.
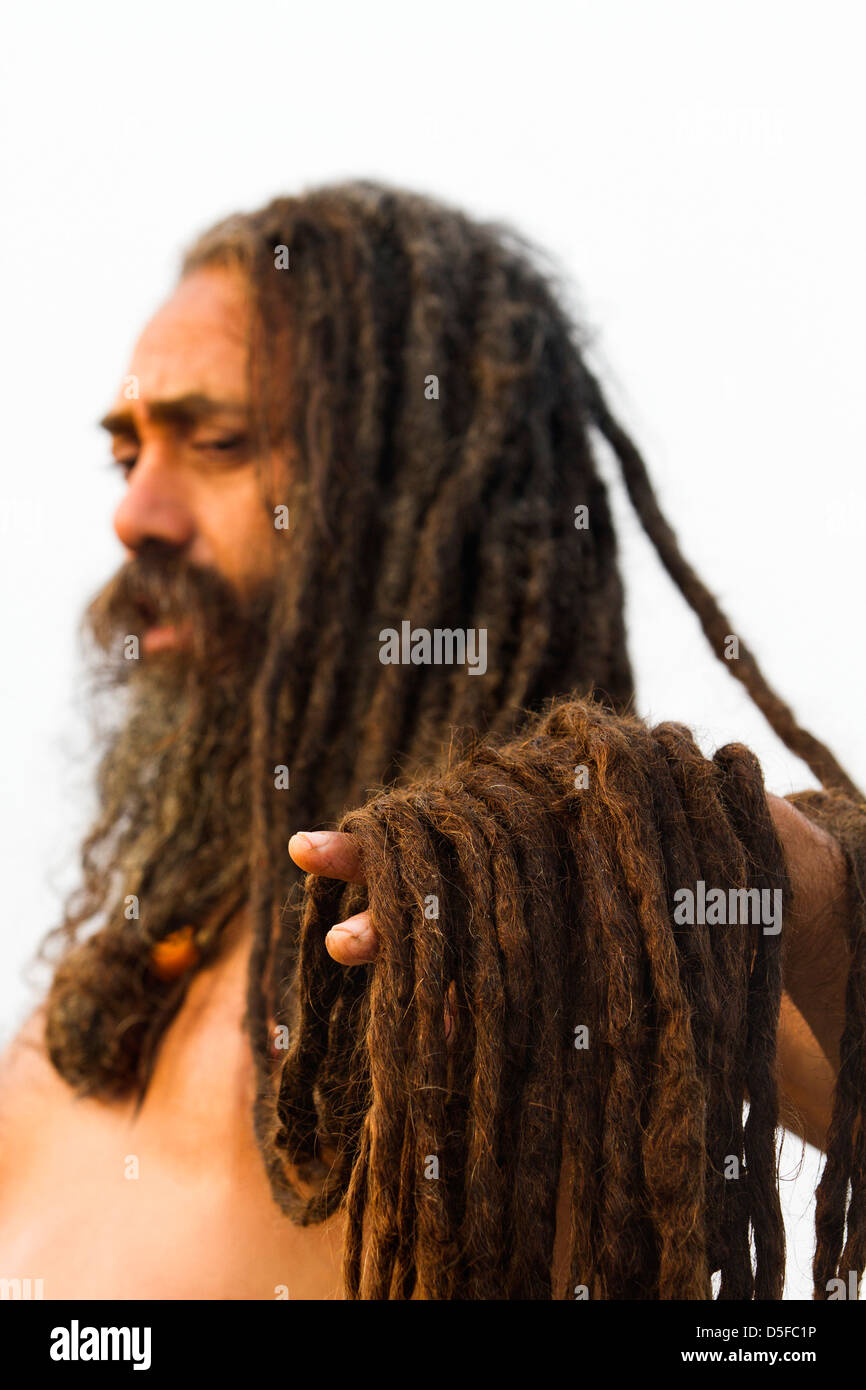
(98, 1202)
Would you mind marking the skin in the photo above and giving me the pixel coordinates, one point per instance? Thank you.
(183, 443)
(198, 1220)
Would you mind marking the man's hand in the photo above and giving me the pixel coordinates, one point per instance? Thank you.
(333, 855)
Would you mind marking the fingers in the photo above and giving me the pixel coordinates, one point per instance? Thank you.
(327, 852)
(334, 855)
(354, 941)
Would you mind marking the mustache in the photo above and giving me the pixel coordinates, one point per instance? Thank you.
(159, 586)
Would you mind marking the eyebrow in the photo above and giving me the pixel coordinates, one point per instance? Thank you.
(186, 410)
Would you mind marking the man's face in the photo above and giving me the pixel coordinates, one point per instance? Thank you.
(196, 592)
(183, 440)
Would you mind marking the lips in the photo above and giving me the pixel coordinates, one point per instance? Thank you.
(158, 634)
(161, 637)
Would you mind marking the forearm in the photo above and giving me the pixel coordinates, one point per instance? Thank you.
(815, 961)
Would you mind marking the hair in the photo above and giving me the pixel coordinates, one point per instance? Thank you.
(431, 397)
(526, 906)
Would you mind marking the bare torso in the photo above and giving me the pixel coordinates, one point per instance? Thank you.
(198, 1221)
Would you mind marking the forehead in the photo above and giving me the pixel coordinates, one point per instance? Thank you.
(197, 341)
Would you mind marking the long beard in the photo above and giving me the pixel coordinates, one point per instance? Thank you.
(175, 803)
(170, 846)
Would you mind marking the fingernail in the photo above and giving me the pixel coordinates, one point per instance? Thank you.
(346, 933)
(343, 935)
(311, 839)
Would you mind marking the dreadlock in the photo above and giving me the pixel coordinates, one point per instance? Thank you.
(434, 406)
(552, 917)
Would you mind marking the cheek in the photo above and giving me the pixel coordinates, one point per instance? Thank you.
(241, 530)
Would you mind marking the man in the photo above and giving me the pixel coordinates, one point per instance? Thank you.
(358, 410)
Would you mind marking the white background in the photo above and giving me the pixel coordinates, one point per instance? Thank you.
(697, 171)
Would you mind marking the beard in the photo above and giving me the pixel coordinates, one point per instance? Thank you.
(170, 845)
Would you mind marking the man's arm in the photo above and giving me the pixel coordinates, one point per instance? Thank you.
(815, 960)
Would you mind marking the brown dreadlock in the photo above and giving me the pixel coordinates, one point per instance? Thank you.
(458, 511)
(552, 915)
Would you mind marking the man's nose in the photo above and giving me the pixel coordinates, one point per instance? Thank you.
(153, 508)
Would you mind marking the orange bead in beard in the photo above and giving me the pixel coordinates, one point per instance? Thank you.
(177, 953)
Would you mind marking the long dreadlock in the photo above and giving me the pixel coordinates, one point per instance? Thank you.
(553, 905)
(439, 401)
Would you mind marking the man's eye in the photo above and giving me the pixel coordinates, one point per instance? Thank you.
(224, 444)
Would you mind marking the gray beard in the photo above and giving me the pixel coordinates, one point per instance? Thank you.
(174, 823)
